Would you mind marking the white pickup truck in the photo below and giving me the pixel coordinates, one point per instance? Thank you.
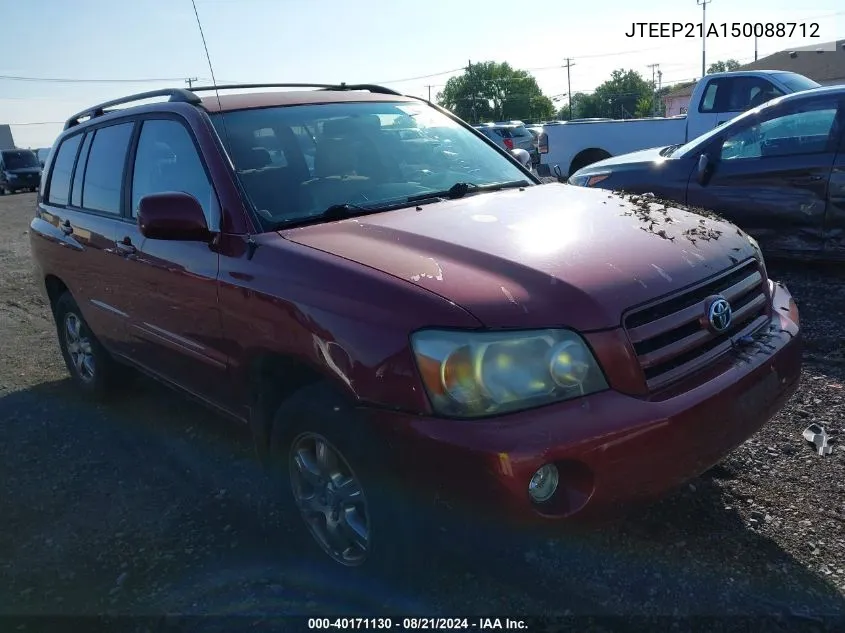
(716, 99)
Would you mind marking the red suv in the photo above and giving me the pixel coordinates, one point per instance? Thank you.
(398, 309)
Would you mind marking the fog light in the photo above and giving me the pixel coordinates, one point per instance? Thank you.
(544, 483)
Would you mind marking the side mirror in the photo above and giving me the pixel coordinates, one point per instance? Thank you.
(172, 216)
(703, 170)
(522, 156)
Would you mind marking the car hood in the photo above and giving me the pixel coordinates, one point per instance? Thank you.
(643, 156)
(546, 255)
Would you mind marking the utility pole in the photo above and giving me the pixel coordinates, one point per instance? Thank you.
(429, 93)
(190, 81)
(703, 4)
(569, 64)
(654, 69)
(659, 86)
(472, 90)
(755, 48)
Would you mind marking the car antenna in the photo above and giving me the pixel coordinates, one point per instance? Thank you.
(252, 244)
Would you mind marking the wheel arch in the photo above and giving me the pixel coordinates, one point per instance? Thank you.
(271, 378)
(587, 157)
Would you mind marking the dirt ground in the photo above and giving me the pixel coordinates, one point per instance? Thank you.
(154, 505)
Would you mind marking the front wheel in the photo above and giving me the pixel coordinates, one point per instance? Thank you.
(91, 367)
(333, 473)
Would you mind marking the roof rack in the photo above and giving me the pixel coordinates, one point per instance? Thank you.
(188, 96)
(341, 86)
(175, 94)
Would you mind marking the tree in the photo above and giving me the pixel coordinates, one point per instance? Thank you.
(583, 107)
(619, 96)
(723, 66)
(495, 91)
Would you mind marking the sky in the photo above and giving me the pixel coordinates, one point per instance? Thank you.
(60, 56)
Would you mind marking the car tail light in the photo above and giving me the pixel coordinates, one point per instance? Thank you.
(509, 143)
(544, 144)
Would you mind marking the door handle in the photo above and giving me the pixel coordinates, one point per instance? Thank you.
(804, 180)
(125, 246)
(66, 228)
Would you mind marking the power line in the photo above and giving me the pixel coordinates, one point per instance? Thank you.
(39, 123)
(69, 80)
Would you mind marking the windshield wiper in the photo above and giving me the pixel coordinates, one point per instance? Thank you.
(460, 189)
(345, 210)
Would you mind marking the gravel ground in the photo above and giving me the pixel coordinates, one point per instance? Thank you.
(154, 505)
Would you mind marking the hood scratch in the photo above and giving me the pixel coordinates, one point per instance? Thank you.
(512, 299)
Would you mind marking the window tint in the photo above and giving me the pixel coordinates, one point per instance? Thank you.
(167, 160)
(793, 134)
(62, 167)
(104, 172)
(79, 172)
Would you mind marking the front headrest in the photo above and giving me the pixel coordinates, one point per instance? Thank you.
(350, 126)
(251, 157)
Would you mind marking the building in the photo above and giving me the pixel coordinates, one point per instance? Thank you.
(677, 100)
(6, 140)
(823, 63)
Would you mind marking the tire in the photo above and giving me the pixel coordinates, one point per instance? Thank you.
(318, 415)
(587, 157)
(96, 374)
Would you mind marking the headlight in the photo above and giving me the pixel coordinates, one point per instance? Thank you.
(11, 176)
(476, 374)
(588, 180)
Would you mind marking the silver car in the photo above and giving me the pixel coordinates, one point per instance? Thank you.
(511, 135)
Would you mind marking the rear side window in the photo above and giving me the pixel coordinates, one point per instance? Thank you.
(104, 171)
(62, 168)
(79, 172)
(167, 160)
(520, 132)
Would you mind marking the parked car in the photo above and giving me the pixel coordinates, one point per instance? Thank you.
(397, 325)
(777, 171)
(511, 135)
(19, 171)
(716, 99)
(42, 153)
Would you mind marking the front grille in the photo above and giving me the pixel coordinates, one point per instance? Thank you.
(671, 337)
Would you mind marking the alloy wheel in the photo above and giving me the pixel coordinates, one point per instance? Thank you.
(330, 498)
(79, 347)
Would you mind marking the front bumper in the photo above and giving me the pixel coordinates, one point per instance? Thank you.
(21, 185)
(612, 450)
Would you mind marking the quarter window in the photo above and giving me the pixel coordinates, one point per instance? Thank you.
(104, 172)
(62, 168)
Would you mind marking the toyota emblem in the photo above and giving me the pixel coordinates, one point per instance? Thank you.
(719, 314)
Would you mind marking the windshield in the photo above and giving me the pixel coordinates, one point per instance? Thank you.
(294, 162)
(19, 159)
(797, 83)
